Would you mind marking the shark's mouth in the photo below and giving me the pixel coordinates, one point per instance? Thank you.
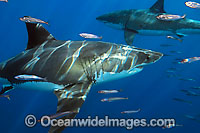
(110, 76)
(115, 26)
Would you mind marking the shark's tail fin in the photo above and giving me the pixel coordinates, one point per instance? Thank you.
(120, 90)
(184, 16)
(180, 40)
(8, 97)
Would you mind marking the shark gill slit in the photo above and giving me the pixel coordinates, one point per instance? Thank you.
(95, 63)
(84, 68)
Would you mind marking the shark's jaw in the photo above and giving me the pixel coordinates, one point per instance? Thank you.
(115, 26)
(110, 76)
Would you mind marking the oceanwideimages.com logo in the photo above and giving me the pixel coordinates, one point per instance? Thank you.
(129, 124)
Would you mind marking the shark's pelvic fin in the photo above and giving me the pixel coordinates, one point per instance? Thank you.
(70, 99)
(37, 34)
(129, 36)
(180, 35)
(5, 89)
(158, 7)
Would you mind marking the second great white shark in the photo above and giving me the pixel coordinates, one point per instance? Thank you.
(144, 22)
(71, 67)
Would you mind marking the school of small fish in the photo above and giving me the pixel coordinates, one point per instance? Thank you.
(111, 99)
(177, 73)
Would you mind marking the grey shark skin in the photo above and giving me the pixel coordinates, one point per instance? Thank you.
(144, 22)
(71, 67)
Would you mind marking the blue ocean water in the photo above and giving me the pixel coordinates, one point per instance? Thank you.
(151, 90)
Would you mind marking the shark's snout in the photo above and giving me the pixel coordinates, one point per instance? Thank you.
(153, 57)
(107, 18)
(118, 17)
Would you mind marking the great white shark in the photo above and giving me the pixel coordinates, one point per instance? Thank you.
(144, 22)
(70, 68)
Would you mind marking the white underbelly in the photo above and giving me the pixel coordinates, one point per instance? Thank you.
(155, 32)
(115, 26)
(189, 31)
(43, 86)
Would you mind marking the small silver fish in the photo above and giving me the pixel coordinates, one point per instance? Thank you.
(60, 114)
(166, 45)
(175, 38)
(4, 0)
(169, 17)
(109, 91)
(172, 68)
(175, 52)
(90, 36)
(192, 4)
(6, 96)
(29, 77)
(131, 111)
(29, 19)
(167, 55)
(171, 126)
(187, 79)
(181, 100)
(192, 118)
(113, 99)
(190, 93)
(196, 87)
(170, 71)
(189, 60)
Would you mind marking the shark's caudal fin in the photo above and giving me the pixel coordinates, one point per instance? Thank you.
(37, 34)
(158, 7)
(70, 99)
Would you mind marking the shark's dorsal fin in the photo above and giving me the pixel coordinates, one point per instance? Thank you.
(158, 7)
(37, 34)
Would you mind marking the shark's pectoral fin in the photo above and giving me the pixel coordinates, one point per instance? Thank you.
(158, 7)
(70, 99)
(129, 36)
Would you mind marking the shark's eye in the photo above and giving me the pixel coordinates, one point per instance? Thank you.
(148, 57)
